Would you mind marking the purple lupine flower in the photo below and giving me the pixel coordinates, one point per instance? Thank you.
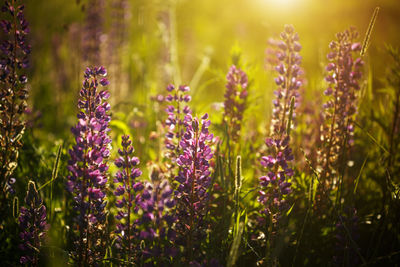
(88, 166)
(33, 225)
(157, 222)
(288, 80)
(275, 183)
(344, 72)
(13, 91)
(235, 100)
(175, 123)
(194, 182)
(127, 194)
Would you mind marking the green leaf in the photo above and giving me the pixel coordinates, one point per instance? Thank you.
(120, 125)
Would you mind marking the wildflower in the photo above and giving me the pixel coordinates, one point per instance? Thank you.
(127, 194)
(88, 166)
(344, 73)
(157, 222)
(288, 80)
(235, 101)
(175, 122)
(33, 225)
(13, 92)
(194, 181)
(275, 184)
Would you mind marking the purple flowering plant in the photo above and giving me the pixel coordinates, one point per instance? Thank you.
(235, 101)
(13, 91)
(88, 167)
(275, 185)
(194, 183)
(127, 194)
(288, 80)
(175, 122)
(33, 225)
(344, 73)
(157, 222)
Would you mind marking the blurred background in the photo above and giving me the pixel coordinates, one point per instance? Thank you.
(146, 44)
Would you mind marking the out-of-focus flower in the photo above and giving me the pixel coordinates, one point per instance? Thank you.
(275, 185)
(33, 225)
(175, 123)
(344, 72)
(157, 222)
(13, 92)
(288, 80)
(235, 101)
(93, 31)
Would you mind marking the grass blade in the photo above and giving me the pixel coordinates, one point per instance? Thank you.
(372, 138)
(369, 31)
(359, 175)
(54, 172)
(234, 252)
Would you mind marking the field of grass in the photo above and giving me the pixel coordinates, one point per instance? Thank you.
(200, 133)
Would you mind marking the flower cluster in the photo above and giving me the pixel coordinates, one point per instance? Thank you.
(13, 92)
(157, 222)
(275, 185)
(88, 166)
(175, 122)
(344, 73)
(33, 225)
(194, 181)
(289, 80)
(127, 195)
(235, 101)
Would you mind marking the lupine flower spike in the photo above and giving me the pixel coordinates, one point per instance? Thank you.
(175, 122)
(337, 131)
(127, 194)
(288, 80)
(88, 166)
(275, 185)
(13, 92)
(235, 101)
(33, 225)
(194, 181)
(157, 222)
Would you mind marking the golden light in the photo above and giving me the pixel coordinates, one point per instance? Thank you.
(281, 5)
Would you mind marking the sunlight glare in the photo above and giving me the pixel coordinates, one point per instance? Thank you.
(282, 4)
